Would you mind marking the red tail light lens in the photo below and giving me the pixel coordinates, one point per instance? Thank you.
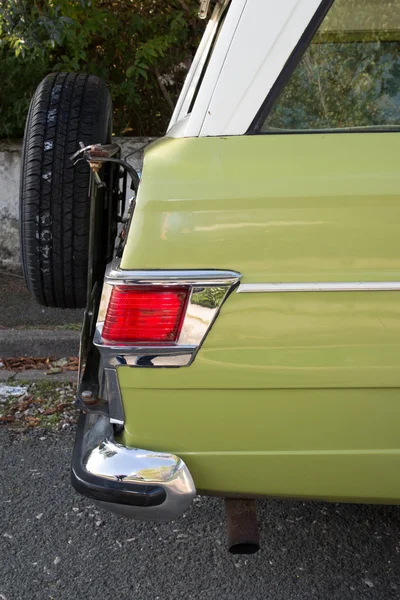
(144, 315)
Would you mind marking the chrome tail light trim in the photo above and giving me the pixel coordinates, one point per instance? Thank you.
(203, 277)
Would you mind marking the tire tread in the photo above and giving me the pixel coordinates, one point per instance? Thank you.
(54, 208)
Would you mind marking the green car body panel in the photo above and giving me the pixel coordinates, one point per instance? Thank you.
(291, 394)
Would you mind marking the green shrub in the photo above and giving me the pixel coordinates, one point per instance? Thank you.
(19, 79)
(141, 48)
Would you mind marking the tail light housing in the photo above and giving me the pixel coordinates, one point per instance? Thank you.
(158, 318)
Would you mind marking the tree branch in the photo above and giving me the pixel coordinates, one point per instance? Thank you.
(163, 89)
(185, 6)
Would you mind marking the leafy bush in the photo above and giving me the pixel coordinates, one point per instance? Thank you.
(142, 48)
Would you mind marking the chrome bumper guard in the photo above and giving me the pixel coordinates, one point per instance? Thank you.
(139, 484)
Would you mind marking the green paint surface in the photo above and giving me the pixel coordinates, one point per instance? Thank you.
(307, 207)
(292, 394)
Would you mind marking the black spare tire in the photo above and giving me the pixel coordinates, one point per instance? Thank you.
(66, 109)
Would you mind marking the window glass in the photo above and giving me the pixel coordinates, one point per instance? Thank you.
(349, 77)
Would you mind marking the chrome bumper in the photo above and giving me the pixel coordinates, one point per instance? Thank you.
(139, 484)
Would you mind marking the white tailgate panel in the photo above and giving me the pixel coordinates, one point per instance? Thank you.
(266, 35)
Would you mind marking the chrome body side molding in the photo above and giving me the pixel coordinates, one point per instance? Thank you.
(333, 286)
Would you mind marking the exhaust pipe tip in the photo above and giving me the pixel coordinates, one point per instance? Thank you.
(244, 548)
(243, 532)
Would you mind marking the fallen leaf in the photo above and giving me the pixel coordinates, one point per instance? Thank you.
(7, 419)
(24, 363)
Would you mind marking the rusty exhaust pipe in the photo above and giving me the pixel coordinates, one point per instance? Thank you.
(243, 533)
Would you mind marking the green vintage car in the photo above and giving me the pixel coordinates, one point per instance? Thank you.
(242, 323)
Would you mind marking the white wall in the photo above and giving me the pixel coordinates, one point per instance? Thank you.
(10, 156)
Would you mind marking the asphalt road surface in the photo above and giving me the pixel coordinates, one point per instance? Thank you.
(26, 311)
(28, 329)
(54, 544)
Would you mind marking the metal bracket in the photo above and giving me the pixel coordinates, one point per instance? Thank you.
(203, 10)
(97, 154)
(87, 398)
